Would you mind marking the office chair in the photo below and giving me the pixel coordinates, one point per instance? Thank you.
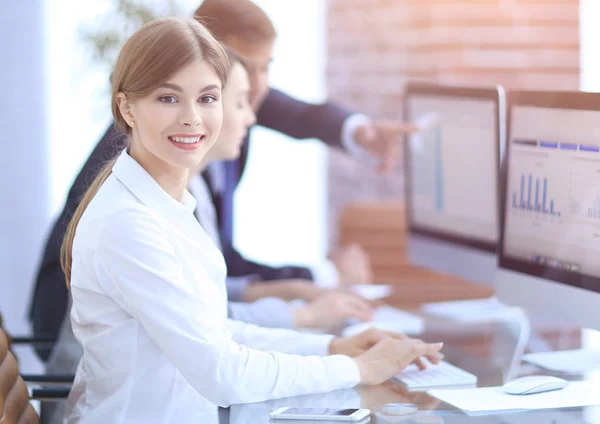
(43, 344)
(14, 396)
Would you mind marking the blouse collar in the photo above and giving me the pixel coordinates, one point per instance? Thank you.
(141, 184)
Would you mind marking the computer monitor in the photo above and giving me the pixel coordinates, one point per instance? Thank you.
(549, 250)
(452, 167)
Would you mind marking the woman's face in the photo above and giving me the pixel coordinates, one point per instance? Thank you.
(237, 116)
(176, 124)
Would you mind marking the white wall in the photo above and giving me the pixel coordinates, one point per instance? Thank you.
(24, 184)
(281, 202)
(23, 168)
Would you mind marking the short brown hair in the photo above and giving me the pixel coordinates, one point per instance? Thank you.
(238, 18)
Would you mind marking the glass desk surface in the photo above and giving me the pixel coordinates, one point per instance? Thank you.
(491, 351)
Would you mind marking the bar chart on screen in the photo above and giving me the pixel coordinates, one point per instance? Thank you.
(594, 211)
(584, 194)
(555, 197)
(533, 196)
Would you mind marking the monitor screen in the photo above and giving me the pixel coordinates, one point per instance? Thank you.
(551, 188)
(452, 163)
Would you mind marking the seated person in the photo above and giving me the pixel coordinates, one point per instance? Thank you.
(147, 282)
(246, 27)
(326, 312)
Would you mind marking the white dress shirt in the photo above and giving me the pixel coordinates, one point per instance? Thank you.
(150, 311)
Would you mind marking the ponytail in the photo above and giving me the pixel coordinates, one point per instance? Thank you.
(66, 250)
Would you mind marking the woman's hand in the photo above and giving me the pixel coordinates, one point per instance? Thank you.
(390, 356)
(381, 355)
(353, 265)
(331, 309)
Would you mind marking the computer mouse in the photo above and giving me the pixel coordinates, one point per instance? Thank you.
(534, 384)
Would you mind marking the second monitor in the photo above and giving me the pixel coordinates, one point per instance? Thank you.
(452, 178)
(550, 239)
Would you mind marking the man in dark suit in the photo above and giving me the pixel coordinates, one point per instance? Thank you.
(245, 28)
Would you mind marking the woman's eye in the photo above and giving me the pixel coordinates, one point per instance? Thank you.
(167, 99)
(208, 99)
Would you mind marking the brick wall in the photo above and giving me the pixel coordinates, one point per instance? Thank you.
(374, 46)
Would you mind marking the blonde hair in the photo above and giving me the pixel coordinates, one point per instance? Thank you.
(152, 55)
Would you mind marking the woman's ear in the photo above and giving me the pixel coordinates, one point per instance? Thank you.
(125, 107)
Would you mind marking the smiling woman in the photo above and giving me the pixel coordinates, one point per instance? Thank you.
(174, 126)
(179, 96)
(147, 282)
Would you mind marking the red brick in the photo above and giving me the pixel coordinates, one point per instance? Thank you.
(375, 46)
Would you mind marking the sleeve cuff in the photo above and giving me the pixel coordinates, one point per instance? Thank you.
(236, 287)
(349, 128)
(345, 369)
(325, 275)
(320, 344)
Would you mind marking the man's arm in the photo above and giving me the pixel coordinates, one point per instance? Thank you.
(359, 135)
(300, 120)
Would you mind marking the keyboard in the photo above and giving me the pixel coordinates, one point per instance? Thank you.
(387, 318)
(442, 375)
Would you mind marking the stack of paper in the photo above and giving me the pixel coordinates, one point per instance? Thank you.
(478, 310)
(372, 291)
(568, 361)
(388, 318)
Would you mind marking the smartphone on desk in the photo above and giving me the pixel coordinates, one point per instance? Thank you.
(320, 414)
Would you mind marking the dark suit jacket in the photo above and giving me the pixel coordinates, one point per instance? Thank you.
(279, 112)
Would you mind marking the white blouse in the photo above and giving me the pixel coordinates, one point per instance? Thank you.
(150, 311)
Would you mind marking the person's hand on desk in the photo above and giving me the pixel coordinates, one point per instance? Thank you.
(352, 264)
(331, 309)
(381, 355)
(284, 289)
(383, 139)
(359, 343)
(390, 356)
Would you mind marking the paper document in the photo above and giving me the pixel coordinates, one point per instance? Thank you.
(576, 394)
(569, 361)
(372, 291)
(389, 319)
(478, 310)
